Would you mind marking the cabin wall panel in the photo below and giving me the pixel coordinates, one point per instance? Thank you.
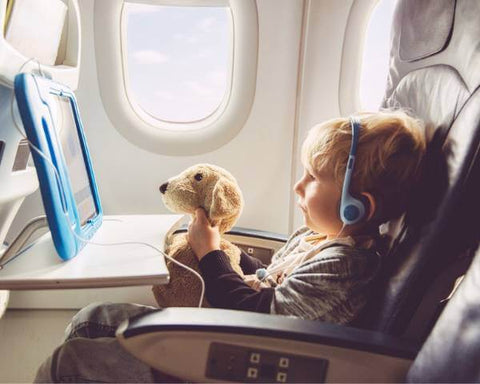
(262, 155)
(259, 156)
(320, 78)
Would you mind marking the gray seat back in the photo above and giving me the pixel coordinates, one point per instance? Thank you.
(452, 351)
(435, 74)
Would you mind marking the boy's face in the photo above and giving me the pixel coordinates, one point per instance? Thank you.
(318, 198)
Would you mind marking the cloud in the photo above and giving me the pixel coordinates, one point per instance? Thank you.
(217, 78)
(205, 25)
(199, 89)
(204, 53)
(164, 95)
(150, 57)
(185, 37)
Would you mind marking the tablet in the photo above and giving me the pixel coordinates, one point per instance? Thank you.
(51, 120)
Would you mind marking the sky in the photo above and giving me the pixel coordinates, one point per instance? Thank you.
(178, 59)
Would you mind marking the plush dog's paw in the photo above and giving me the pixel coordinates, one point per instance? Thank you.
(162, 296)
(172, 295)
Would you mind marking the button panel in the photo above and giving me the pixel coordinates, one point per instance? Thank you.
(242, 364)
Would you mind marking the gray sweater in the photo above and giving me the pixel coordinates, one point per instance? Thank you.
(332, 285)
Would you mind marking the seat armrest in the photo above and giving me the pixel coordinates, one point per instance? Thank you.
(257, 234)
(242, 346)
(246, 232)
(256, 243)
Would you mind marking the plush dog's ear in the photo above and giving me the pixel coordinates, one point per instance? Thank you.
(226, 204)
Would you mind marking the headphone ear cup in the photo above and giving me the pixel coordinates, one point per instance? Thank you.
(352, 210)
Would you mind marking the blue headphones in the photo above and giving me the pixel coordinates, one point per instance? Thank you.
(352, 210)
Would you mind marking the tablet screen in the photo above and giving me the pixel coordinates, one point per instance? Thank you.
(74, 158)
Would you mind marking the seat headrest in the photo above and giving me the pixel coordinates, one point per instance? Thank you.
(434, 58)
(420, 38)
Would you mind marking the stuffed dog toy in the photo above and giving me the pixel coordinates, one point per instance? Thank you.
(216, 191)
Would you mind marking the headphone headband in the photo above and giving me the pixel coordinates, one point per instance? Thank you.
(351, 210)
(355, 125)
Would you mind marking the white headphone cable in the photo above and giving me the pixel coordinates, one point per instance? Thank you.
(265, 273)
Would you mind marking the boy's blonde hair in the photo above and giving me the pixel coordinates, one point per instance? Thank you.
(388, 162)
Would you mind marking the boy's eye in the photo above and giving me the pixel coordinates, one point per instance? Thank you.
(198, 176)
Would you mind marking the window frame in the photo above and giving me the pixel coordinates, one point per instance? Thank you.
(163, 137)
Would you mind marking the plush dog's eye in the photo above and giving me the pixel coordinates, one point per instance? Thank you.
(198, 176)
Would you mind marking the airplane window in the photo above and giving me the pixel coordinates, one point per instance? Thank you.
(375, 56)
(178, 60)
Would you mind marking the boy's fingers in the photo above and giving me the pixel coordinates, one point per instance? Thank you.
(201, 216)
(202, 219)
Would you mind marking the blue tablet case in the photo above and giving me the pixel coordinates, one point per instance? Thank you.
(52, 123)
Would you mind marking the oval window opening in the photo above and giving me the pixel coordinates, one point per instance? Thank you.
(376, 55)
(178, 60)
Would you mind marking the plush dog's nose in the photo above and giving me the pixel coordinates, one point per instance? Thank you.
(163, 187)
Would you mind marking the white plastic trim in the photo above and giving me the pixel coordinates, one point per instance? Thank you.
(352, 54)
(161, 137)
(66, 73)
(183, 3)
(4, 296)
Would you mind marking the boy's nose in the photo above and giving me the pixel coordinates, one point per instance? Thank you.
(163, 188)
(297, 186)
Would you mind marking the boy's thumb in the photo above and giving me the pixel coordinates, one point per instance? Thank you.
(201, 215)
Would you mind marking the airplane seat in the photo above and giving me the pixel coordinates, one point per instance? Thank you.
(452, 350)
(435, 74)
(220, 343)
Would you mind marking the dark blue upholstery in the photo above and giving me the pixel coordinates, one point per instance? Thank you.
(452, 351)
(435, 74)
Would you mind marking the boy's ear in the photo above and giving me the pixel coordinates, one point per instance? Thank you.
(371, 205)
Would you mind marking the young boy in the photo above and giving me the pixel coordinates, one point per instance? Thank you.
(324, 270)
(322, 273)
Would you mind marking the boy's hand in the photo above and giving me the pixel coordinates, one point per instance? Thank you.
(202, 237)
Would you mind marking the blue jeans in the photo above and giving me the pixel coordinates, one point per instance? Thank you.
(90, 352)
